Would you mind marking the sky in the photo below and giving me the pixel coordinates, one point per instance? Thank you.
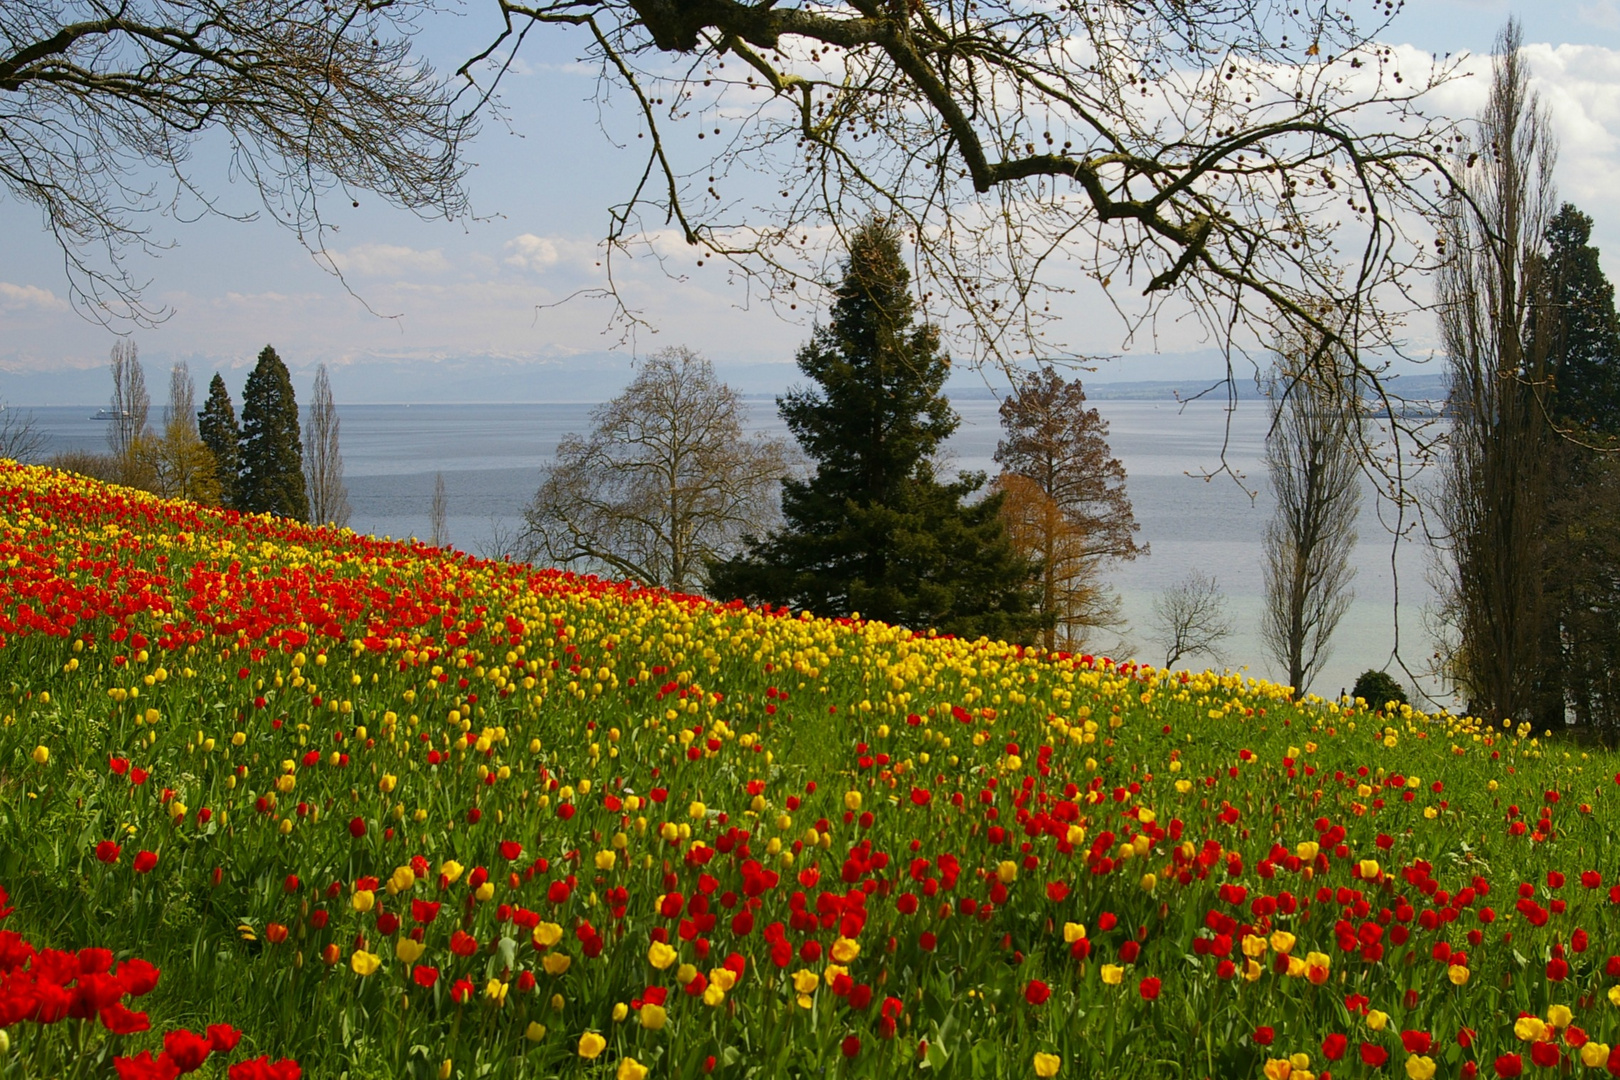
(478, 309)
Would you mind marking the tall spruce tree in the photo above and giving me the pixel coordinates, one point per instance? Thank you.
(1580, 676)
(219, 431)
(272, 476)
(874, 531)
(1586, 348)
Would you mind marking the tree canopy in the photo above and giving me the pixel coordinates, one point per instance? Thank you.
(1067, 507)
(1258, 160)
(874, 531)
(219, 431)
(272, 476)
(315, 97)
(665, 483)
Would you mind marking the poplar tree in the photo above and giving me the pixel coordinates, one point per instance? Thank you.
(217, 426)
(874, 531)
(272, 477)
(323, 461)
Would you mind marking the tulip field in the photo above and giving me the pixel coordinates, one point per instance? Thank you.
(278, 801)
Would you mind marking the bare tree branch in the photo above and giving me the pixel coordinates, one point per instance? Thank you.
(316, 97)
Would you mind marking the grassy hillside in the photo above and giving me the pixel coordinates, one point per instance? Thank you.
(391, 811)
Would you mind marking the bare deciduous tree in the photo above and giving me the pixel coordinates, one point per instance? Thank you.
(130, 403)
(313, 97)
(439, 514)
(1498, 325)
(1257, 160)
(1190, 618)
(20, 436)
(1312, 460)
(176, 464)
(665, 483)
(1071, 512)
(323, 460)
(182, 407)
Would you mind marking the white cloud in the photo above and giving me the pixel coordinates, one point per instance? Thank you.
(389, 260)
(29, 296)
(531, 252)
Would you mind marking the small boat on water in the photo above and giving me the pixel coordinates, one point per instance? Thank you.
(108, 414)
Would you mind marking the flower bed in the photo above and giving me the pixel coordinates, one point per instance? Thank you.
(400, 812)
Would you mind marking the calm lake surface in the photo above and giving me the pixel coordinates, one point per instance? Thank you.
(491, 456)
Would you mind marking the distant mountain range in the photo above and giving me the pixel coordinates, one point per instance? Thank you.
(585, 378)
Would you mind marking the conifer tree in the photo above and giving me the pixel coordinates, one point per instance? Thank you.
(272, 476)
(874, 531)
(217, 426)
(1586, 350)
(1580, 673)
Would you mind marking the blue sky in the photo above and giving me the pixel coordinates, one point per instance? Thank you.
(474, 292)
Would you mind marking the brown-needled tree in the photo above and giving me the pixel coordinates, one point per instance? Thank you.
(1066, 507)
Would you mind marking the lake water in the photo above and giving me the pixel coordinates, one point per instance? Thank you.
(491, 456)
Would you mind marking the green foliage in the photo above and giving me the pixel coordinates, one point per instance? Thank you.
(1586, 360)
(1580, 644)
(272, 473)
(216, 424)
(1378, 689)
(874, 531)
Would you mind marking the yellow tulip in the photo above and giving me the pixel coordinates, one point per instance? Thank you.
(631, 1069)
(535, 1031)
(556, 963)
(546, 935)
(1529, 1028)
(1457, 974)
(805, 982)
(1282, 941)
(42, 754)
(1073, 932)
(590, 1045)
(653, 1016)
(1047, 1065)
(844, 950)
(408, 950)
(1112, 974)
(1377, 1020)
(660, 956)
(364, 963)
(363, 901)
(1594, 1054)
(1559, 1016)
(1420, 1068)
(1007, 872)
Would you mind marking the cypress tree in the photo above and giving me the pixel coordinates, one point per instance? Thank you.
(272, 476)
(219, 431)
(874, 531)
